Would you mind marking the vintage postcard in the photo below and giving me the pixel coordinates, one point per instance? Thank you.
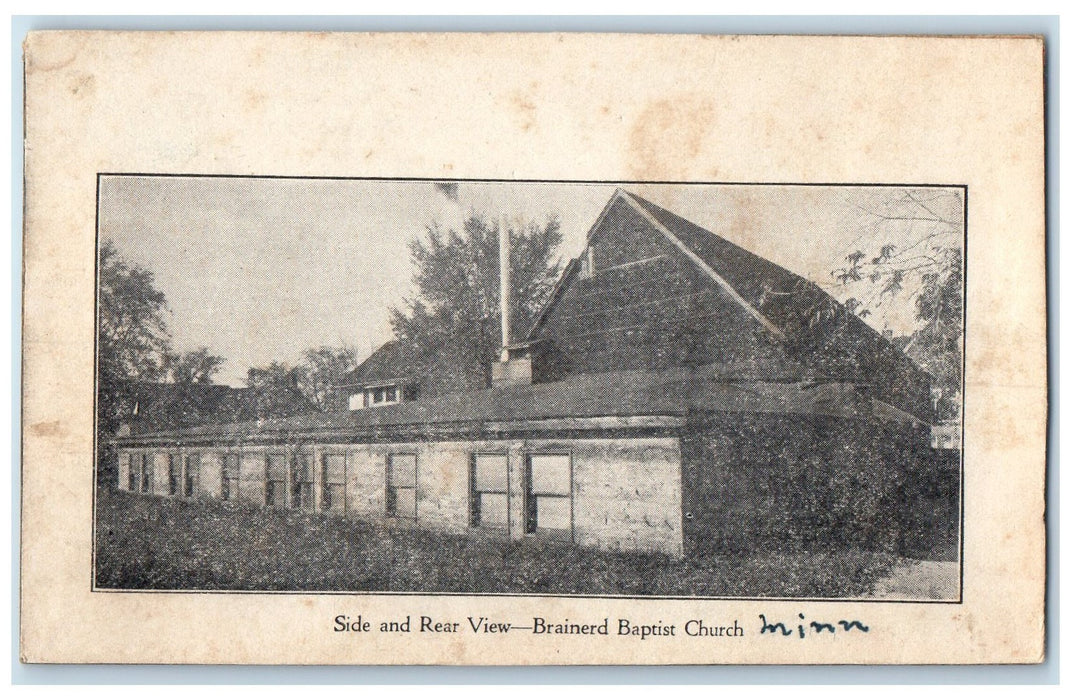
(533, 349)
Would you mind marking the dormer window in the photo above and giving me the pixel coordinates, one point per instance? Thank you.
(382, 395)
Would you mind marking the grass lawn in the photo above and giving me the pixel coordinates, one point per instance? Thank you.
(153, 543)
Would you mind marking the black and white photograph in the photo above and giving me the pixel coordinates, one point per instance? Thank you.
(529, 388)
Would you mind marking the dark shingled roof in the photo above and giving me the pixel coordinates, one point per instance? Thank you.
(676, 392)
(162, 406)
(388, 362)
(693, 298)
(783, 297)
(153, 407)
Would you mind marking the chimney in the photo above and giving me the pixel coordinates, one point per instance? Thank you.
(515, 365)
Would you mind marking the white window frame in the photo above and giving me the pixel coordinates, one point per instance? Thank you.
(391, 499)
(531, 516)
(188, 460)
(174, 473)
(226, 492)
(370, 395)
(475, 515)
(270, 490)
(302, 494)
(327, 502)
(148, 473)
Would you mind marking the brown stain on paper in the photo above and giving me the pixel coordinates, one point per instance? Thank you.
(524, 106)
(255, 100)
(82, 85)
(669, 135)
(50, 428)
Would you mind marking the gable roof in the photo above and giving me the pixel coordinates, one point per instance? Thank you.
(779, 300)
(699, 248)
(387, 363)
(151, 406)
(669, 292)
(152, 398)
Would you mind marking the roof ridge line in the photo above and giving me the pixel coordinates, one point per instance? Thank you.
(700, 263)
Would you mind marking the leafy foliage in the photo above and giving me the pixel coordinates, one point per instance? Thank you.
(926, 266)
(153, 543)
(321, 370)
(193, 367)
(454, 319)
(937, 344)
(274, 391)
(132, 334)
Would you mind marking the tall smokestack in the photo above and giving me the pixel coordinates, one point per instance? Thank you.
(504, 282)
(513, 369)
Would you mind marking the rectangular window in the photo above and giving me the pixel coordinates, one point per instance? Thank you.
(133, 475)
(489, 495)
(172, 474)
(382, 394)
(301, 493)
(356, 401)
(191, 475)
(275, 481)
(147, 468)
(548, 495)
(401, 486)
(229, 490)
(333, 482)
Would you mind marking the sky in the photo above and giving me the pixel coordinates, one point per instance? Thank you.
(261, 269)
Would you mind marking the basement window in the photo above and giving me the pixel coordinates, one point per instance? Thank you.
(172, 474)
(301, 482)
(191, 475)
(147, 461)
(275, 481)
(548, 495)
(401, 486)
(489, 494)
(230, 477)
(333, 482)
(133, 462)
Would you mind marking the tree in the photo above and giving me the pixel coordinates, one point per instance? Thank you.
(274, 391)
(918, 256)
(193, 367)
(937, 344)
(454, 317)
(321, 371)
(132, 333)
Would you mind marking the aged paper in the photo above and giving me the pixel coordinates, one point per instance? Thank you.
(770, 384)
